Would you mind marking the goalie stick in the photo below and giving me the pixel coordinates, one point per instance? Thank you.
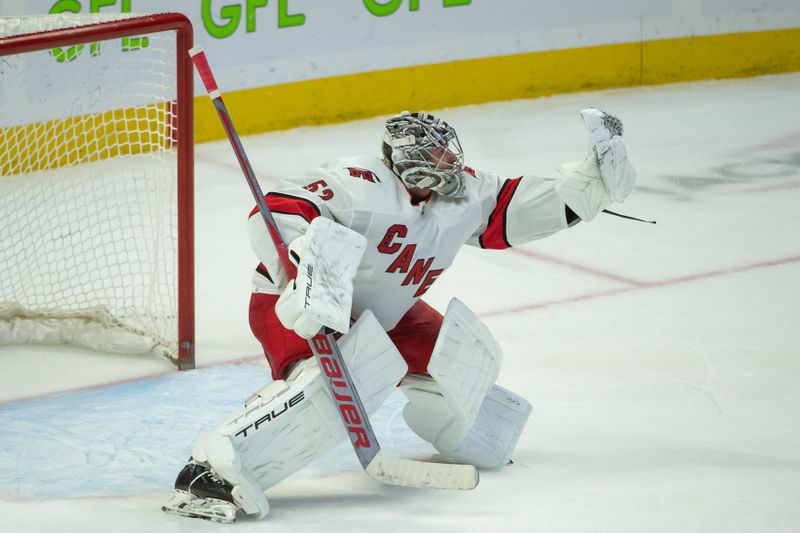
(380, 466)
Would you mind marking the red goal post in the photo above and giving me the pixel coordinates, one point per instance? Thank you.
(97, 157)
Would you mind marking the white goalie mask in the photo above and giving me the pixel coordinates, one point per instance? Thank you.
(424, 152)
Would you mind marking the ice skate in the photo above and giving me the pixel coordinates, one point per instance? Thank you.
(201, 493)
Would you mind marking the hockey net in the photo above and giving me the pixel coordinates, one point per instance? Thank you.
(96, 165)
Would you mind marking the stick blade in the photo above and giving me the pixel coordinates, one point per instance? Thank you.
(424, 475)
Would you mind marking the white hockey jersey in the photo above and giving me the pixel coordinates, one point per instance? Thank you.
(409, 245)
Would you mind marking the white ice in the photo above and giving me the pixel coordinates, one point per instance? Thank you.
(662, 361)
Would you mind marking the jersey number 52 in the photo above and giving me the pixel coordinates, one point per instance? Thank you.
(319, 187)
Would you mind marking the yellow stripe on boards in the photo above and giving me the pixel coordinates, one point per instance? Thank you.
(528, 75)
(733, 55)
(369, 94)
(60, 142)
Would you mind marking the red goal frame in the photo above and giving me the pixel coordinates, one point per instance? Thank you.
(129, 27)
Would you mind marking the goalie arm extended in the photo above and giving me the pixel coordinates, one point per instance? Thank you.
(529, 207)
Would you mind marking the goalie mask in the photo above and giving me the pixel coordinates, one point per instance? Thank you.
(424, 152)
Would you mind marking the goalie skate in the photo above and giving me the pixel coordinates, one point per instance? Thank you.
(201, 493)
(185, 504)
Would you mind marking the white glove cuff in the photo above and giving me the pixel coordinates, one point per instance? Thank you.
(289, 311)
(582, 189)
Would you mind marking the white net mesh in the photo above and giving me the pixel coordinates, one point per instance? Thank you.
(88, 191)
(10, 26)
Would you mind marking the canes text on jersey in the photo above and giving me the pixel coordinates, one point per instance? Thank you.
(418, 272)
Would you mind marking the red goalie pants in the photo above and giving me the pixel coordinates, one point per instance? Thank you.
(414, 336)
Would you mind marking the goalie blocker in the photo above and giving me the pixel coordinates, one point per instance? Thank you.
(289, 423)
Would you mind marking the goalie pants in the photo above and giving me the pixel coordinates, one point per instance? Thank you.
(414, 336)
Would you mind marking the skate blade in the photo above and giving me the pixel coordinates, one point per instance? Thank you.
(184, 504)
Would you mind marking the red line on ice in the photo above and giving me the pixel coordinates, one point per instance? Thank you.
(641, 286)
(576, 266)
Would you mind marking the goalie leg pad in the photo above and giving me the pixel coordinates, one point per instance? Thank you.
(464, 364)
(457, 408)
(287, 424)
(490, 440)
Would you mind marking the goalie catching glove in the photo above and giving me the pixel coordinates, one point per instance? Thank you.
(605, 176)
(327, 258)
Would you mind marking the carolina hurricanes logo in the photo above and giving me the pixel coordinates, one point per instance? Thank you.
(364, 174)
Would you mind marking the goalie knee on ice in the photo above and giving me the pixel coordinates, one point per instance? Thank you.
(458, 408)
(289, 423)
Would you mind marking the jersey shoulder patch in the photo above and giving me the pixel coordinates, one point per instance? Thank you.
(364, 174)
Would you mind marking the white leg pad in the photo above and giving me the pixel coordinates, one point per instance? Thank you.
(457, 408)
(465, 363)
(287, 424)
(495, 433)
(491, 438)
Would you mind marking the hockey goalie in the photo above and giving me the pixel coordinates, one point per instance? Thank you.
(377, 233)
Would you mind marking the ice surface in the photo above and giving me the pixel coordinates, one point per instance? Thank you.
(662, 361)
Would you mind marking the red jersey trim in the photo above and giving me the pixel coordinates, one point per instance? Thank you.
(290, 205)
(261, 269)
(495, 236)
